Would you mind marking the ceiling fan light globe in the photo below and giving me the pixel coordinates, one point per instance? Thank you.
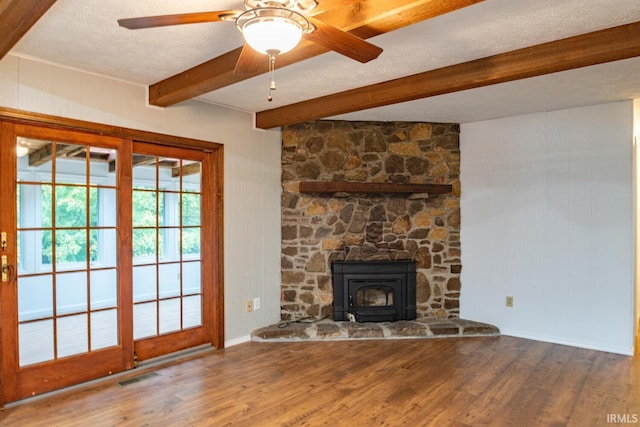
(272, 34)
(272, 29)
(21, 150)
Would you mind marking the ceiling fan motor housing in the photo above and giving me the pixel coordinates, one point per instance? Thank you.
(299, 5)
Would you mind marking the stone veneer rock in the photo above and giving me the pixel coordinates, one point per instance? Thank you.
(329, 330)
(320, 228)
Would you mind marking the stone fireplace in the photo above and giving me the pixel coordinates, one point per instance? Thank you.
(384, 216)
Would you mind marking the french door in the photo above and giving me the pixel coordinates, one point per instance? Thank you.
(169, 300)
(103, 248)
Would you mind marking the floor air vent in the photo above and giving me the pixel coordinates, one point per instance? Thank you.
(137, 379)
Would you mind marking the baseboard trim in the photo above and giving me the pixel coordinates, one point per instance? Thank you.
(236, 341)
(617, 350)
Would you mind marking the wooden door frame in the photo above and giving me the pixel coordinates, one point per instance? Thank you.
(7, 216)
(216, 150)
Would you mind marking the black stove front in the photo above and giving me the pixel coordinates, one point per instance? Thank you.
(374, 291)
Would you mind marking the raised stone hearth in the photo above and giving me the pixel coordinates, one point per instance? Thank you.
(330, 330)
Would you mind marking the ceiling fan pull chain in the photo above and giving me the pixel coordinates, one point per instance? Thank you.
(272, 70)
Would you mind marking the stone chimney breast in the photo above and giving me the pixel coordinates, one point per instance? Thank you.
(321, 227)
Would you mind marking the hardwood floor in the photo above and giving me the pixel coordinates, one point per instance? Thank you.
(497, 381)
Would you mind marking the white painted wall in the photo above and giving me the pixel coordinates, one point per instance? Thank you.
(547, 217)
(252, 168)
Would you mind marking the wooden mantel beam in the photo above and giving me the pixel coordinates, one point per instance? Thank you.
(598, 47)
(16, 18)
(365, 19)
(371, 187)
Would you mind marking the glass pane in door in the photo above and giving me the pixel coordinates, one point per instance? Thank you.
(167, 291)
(67, 267)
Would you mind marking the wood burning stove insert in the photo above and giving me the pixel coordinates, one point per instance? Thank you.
(374, 291)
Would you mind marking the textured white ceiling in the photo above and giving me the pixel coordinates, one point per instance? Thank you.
(84, 34)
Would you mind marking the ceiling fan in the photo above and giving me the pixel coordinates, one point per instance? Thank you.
(272, 27)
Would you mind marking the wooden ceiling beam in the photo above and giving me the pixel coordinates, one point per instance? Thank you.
(41, 156)
(186, 170)
(16, 18)
(143, 160)
(364, 19)
(45, 154)
(612, 44)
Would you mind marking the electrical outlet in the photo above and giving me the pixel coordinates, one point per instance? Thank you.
(509, 301)
(249, 305)
(256, 303)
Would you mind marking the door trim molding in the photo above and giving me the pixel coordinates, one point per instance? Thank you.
(46, 120)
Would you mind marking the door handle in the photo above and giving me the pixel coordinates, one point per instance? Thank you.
(8, 272)
(5, 267)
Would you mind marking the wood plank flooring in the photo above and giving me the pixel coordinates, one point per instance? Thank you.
(495, 381)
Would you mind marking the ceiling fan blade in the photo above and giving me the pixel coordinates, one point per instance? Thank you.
(251, 62)
(179, 19)
(324, 5)
(342, 42)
